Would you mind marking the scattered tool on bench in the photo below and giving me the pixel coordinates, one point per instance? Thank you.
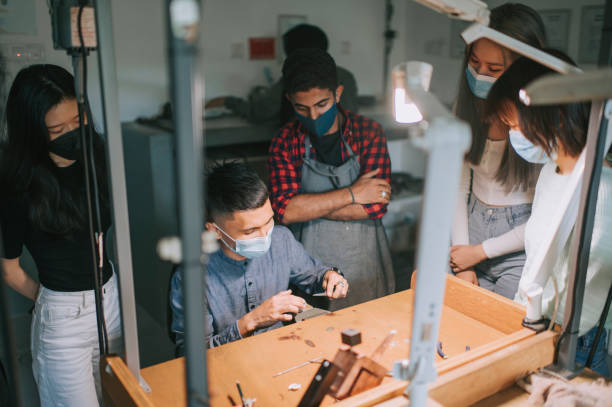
(246, 402)
(315, 360)
(440, 351)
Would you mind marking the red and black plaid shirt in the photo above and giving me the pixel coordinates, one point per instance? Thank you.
(365, 137)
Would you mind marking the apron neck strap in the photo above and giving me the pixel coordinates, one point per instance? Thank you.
(344, 125)
(307, 145)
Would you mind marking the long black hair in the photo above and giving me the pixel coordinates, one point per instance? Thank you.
(548, 126)
(523, 23)
(26, 169)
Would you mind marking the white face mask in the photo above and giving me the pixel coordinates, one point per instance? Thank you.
(527, 150)
(479, 84)
(249, 248)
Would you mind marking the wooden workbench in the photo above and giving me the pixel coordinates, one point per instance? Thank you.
(471, 316)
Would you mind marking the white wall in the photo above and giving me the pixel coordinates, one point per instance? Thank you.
(139, 28)
(360, 22)
(140, 45)
(429, 39)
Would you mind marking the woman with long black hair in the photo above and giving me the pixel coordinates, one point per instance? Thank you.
(558, 133)
(497, 184)
(44, 208)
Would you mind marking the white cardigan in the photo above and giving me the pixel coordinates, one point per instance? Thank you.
(550, 187)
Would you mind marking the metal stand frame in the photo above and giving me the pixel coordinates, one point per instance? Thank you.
(187, 95)
(112, 127)
(601, 114)
(584, 231)
(445, 140)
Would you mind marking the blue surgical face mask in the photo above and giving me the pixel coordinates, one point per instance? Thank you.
(526, 149)
(251, 248)
(479, 84)
(321, 124)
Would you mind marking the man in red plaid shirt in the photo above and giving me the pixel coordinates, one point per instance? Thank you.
(329, 178)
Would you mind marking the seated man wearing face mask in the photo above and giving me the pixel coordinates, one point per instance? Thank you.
(248, 277)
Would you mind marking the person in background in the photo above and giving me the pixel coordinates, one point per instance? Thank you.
(329, 178)
(248, 277)
(557, 134)
(497, 184)
(44, 209)
(264, 104)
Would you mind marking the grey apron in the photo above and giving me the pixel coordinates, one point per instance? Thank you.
(359, 248)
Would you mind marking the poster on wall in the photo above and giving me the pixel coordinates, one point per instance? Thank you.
(456, 44)
(557, 23)
(18, 17)
(261, 48)
(591, 24)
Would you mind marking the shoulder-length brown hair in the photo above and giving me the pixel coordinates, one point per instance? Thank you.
(524, 24)
(547, 126)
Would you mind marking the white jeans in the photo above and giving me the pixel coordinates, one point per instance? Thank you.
(64, 339)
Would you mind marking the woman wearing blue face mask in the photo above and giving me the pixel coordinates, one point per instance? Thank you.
(558, 132)
(497, 184)
(44, 209)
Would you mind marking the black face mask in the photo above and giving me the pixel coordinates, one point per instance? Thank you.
(68, 145)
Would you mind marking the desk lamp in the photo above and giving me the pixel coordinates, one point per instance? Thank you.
(445, 139)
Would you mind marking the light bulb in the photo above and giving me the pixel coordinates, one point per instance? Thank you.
(405, 112)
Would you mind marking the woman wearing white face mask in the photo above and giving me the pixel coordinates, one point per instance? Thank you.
(557, 134)
(497, 185)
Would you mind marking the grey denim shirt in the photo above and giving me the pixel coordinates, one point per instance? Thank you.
(235, 288)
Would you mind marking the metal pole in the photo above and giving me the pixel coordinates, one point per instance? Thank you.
(582, 244)
(584, 225)
(112, 127)
(184, 17)
(445, 141)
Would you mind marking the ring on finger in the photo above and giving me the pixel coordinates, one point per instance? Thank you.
(383, 194)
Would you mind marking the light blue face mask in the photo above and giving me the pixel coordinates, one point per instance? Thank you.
(321, 124)
(526, 149)
(251, 248)
(479, 84)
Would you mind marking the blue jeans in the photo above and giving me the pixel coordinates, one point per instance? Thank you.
(499, 274)
(585, 343)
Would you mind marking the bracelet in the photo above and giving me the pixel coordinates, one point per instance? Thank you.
(352, 196)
